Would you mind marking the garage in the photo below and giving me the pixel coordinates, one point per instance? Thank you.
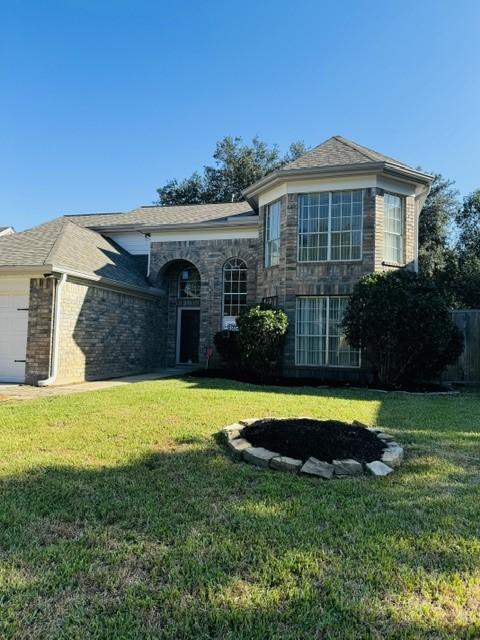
(14, 297)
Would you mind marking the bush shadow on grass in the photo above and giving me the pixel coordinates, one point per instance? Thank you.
(188, 544)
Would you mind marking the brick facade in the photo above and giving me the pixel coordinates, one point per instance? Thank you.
(209, 257)
(103, 333)
(291, 278)
(39, 334)
(107, 333)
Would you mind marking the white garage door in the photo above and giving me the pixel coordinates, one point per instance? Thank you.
(14, 297)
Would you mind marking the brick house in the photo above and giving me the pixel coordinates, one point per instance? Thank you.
(94, 296)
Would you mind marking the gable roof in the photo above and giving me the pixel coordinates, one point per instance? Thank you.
(340, 151)
(65, 245)
(154, 216)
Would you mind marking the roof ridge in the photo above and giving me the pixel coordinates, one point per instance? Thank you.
(356, 147)
(191, 204)
(97, 213)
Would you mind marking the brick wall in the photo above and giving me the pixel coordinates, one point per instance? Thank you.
(208, 256)
(39, 336)
(106, 333)
(290, 278)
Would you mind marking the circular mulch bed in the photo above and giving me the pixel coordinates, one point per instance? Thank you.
(324, 448)
(326, 440)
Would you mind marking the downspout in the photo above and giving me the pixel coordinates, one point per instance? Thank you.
(56, 334)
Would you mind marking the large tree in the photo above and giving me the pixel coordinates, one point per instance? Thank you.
(468, 223)
(435, 224)
(237, 165)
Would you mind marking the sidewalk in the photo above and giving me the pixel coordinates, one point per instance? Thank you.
(27, 392)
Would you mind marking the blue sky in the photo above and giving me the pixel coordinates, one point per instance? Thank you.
(102, 101)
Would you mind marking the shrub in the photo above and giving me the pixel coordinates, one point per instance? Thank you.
(401, 322)
(226, 343)
(261, 332)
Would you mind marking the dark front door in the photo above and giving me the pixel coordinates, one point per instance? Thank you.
(189, 335)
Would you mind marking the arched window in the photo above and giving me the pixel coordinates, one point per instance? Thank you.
(189, 283)
(234, 287)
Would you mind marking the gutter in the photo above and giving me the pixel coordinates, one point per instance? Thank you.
(56, 334)
(108, 282)
(226, 223)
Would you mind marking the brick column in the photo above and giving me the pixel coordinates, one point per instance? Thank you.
(40, 325)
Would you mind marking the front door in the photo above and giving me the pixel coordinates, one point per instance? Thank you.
(188, 336)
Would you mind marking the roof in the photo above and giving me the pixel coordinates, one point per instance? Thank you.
(5, 230)
(340, 151)
(66, 245)
(342, 156)
(158, 216)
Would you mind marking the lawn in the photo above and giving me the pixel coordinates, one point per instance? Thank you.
(122, 517)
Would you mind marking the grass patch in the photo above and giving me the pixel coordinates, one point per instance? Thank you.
(122, 517)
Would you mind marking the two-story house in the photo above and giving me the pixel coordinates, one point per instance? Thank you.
(111, 294)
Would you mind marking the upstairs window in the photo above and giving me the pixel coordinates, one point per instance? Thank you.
(234, 287)
(272, 234)
(393, 225)
(330, 226)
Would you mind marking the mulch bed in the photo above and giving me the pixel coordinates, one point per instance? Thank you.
(239, 376)
(325, 440)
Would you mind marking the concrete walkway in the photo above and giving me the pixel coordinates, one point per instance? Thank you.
(27, 392)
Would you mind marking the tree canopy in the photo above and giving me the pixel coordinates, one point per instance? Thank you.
(435, 223)
(236, 166)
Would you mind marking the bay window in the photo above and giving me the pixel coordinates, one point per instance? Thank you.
(319, 337)
(330, 226)
(393, 225)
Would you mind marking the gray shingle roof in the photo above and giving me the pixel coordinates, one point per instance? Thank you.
(155, 216)
(64, 244)
(339, 151)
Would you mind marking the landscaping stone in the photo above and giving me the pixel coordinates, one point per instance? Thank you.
(393, 456)
(378, 468)
(249, 421)
(258, 456)
(318, 468)
(345, 468)
(386, 448)
(232, 431)
(284, 463)
(238, 445)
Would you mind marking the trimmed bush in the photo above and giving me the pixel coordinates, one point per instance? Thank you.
(261, 333)
(401, 322)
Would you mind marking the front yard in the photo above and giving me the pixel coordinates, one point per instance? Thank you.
(121, 517)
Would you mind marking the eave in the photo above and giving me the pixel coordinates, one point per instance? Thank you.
(225, 223)
(286, 175)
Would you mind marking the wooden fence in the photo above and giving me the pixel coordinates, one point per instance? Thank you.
(467, 367)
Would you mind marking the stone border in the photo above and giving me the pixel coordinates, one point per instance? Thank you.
(241, 449)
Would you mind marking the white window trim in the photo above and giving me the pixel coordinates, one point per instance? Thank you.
(267, 213)
(223, 288)
(327, 336)
(387, 260)
(329, 232)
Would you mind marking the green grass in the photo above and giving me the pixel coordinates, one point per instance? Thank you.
(122, 517)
